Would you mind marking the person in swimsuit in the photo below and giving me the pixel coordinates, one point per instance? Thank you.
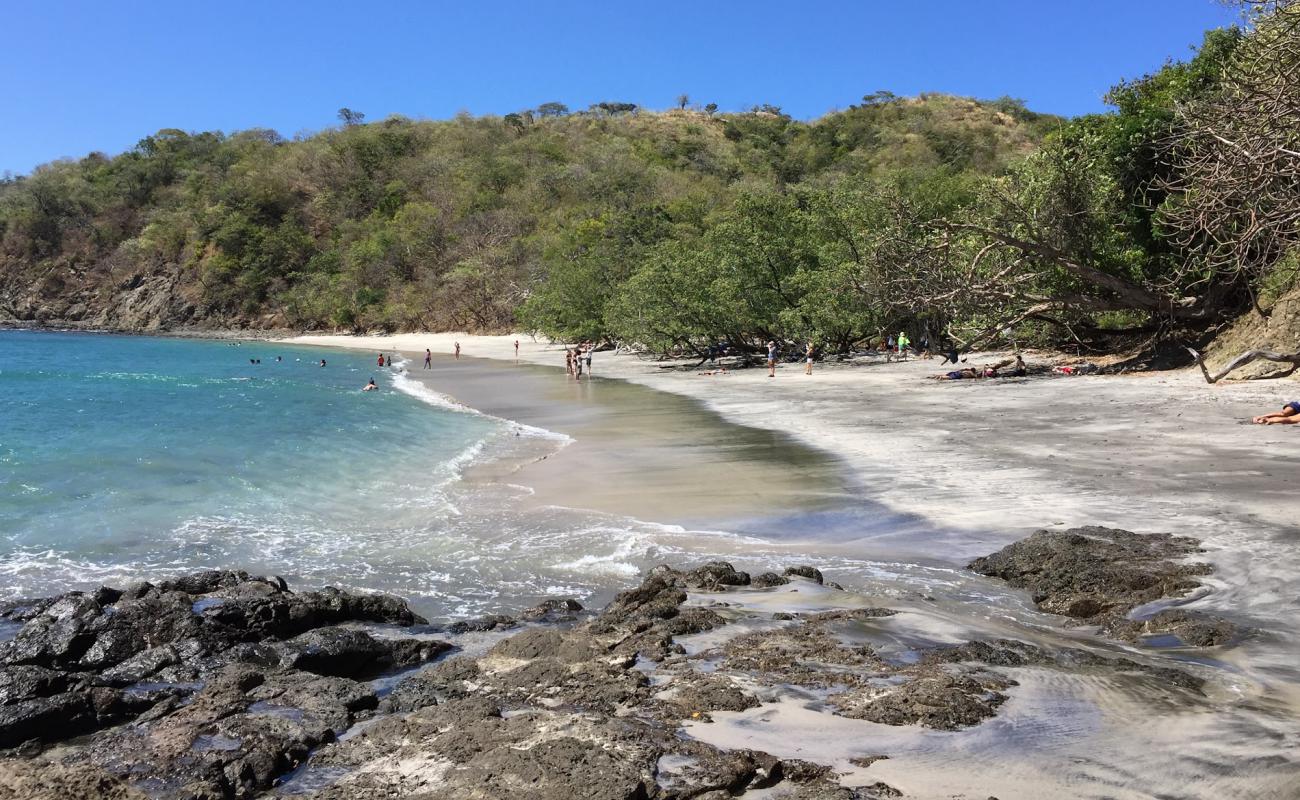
(428, 358)
(370, 387)
(1289, 415)
(458, 351)
(808, 359)
(771, 359)
(516, 349)
(577, 362)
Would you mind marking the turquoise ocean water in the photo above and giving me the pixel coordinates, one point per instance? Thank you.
(125, 458)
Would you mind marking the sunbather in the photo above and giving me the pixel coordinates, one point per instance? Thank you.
(960, 374)
(1289, 415)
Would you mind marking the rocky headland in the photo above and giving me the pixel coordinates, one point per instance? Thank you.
(226, 685)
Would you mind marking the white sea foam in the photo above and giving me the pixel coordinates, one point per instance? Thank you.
(403, 382)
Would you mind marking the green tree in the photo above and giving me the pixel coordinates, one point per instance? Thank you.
(349, 117)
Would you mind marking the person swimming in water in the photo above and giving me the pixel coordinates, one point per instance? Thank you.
(322, 362)
(370, 387)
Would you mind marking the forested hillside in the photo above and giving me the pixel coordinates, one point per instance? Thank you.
(453, 224)
(950, 217)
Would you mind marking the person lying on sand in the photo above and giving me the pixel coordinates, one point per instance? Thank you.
(370, 387)
(986, 371)
(1289, 415)
(961, 374)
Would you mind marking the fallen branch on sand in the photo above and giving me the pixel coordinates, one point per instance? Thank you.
(1245, 358)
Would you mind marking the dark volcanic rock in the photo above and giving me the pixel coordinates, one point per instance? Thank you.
(242, 730)
(695, 695)
(490, 622)
(1098, 575)
(1183, 627)
(713, 576)
(804, 571)
(82, 662)
(768, 579)
(554, 610)
(257, 685)
(350, 653)
(933, 698)
(1090, 572)
(1011, 653)
(556, 713)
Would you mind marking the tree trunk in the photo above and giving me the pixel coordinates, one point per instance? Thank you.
(1245, 358)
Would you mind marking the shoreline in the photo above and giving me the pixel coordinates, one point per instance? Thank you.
(867, 414)
(963, 683)
(989, 461)
(630, 450)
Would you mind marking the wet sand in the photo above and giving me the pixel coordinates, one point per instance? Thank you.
(639, 452)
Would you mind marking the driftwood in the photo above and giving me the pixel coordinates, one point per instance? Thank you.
(1245, 358)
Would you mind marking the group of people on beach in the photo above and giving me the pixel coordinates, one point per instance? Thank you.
(1018, 369)
(575, 359)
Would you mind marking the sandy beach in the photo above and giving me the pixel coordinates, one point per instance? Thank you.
(960, 469)
(998, 458)
(1139, 449)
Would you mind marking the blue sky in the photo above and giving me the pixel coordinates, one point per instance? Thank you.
(98, 75)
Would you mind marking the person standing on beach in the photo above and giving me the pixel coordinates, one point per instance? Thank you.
(428, 358)
(516, 349)
(458, 351)
(577, 362)
(808, 359)
(771, 359)
(903, 344)
(590, 347)
(568, 361)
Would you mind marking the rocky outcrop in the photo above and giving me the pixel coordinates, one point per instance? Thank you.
(227, 678)
(234, 686)
(1099, 575)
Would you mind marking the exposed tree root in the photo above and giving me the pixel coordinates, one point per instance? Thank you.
(1245, 358)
